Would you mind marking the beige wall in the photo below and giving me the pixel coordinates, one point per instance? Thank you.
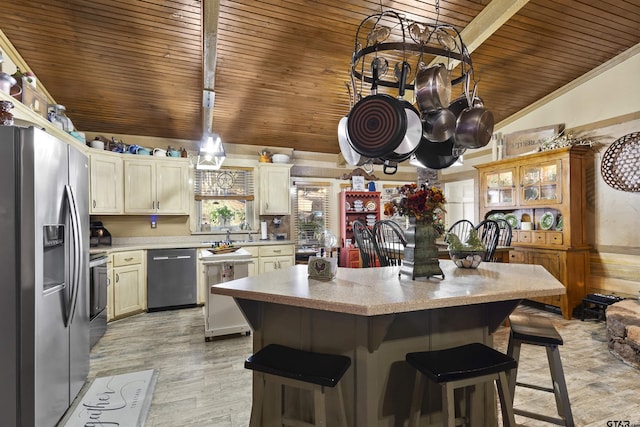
(605, 102)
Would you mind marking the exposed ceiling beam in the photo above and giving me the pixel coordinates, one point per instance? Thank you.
(487, 22)
(210, 15)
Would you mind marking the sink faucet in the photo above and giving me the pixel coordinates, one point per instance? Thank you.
(228, 235)
(249, 236)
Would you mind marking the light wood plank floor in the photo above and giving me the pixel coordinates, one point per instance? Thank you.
(204, 383)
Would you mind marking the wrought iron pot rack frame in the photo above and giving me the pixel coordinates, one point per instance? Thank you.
(399, 49)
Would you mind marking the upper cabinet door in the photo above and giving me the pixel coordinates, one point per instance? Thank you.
(274, 190)
(172, 186)
(106, 184)
(499, 187)
(139, 186)
(541, 184)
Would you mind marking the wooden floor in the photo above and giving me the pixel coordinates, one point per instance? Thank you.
(204, 384)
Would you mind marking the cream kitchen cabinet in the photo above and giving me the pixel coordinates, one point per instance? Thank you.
(275, 257)
(156, 186)
(255, 256)
(274, 189)
(106, 181)
(128, 283)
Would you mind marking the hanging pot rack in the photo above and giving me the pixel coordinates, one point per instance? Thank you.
(400, 39)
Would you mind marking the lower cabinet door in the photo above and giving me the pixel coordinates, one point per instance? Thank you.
(128, 294)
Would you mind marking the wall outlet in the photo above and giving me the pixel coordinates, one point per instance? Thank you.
(154, 222)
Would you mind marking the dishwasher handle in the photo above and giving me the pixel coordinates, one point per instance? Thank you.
(158, 258)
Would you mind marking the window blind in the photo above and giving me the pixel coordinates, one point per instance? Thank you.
(311, 211)
(224, 183)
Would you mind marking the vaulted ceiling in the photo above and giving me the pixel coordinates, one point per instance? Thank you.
(136, 67)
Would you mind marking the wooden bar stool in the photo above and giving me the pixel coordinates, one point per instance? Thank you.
(537, 330)
(457, 367)
(301, 369)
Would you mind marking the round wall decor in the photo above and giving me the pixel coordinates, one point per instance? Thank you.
(620, 166)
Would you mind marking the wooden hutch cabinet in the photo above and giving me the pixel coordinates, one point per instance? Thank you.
(547, 189)
(362, 205)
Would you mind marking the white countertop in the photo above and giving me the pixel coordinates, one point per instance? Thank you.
(378, 291)
(176, 243)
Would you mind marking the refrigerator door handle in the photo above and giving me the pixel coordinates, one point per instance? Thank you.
(75, 230)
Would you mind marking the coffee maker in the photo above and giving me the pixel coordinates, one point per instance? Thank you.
(99, 236)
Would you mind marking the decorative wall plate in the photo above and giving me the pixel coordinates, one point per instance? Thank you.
(547, 220)
(512, 220)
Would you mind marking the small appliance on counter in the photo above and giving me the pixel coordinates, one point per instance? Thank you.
(99, 236)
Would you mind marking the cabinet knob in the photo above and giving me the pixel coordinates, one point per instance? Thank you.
(117, 277)
(158, 204)
(94, 203)
(129, 259)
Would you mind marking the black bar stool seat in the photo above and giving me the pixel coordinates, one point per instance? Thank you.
(457, 367)
(301, 369)
(538, 330)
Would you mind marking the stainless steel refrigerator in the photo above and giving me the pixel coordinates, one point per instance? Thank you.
(44, 301)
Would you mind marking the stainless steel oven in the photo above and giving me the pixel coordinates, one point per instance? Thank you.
(97, 296)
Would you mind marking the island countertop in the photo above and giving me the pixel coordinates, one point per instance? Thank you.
(379, 291)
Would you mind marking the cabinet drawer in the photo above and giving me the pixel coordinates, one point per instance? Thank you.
(127, 258)
(524, 236)
(253, 250)
(554, 238)
(276, 250)
(540, 237)
(516, 257)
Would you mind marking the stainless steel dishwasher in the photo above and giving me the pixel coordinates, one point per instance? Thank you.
(171, 279)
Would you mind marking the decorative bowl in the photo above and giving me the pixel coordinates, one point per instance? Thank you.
(467, 259)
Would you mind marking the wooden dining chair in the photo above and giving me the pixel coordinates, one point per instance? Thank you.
(505, 232)
(461, 229)
(390, 240)
(489, 232)
(369, 252)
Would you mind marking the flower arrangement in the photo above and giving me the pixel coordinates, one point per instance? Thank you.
(424, 203)
(563, 139)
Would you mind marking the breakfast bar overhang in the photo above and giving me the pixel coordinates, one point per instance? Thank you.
(374, 316)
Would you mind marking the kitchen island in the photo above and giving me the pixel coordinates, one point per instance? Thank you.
(375, 317)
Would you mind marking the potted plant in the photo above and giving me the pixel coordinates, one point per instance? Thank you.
(222, 214)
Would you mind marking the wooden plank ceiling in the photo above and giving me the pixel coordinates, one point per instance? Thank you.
(136, 67)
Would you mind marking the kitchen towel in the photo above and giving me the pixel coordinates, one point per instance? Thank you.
(117, 400)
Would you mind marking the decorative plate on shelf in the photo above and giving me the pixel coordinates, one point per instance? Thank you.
(512, 220)
(347, 206)
(497, 215)
(547, 220)
(531, 193)
(371, 205)
(559, 223)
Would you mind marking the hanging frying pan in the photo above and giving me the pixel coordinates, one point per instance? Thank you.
(436, 155)
(352, 157)
(377, 124)
(413, 135)
(474, 126)
(440, 125)
(433, 87)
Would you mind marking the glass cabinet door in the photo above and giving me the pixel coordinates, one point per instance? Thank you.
(541, 183)
(500, 188)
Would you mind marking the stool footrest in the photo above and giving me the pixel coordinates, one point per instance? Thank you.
(535, 387)
(553, 420)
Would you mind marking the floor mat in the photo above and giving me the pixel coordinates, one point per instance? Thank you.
(118, 400)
